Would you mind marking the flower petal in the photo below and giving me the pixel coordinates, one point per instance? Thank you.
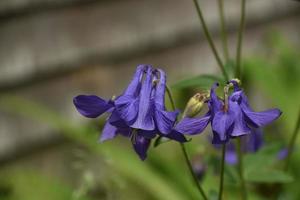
(254, 141)
(91, 106)
(160, 90)
(235, 85)
(214, 103)
(135, 84)
(258, 119)
(175, 135)
(165, 120)
(216, 139)
(141, 146)
(127, 107)
(192, 126)
(240, 126)
(147, 134)
(109, 132)
(222, 123)
(145, 119)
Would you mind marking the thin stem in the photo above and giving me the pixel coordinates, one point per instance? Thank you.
(223, 30)
(240, 40)
(238, 75)
(192, 171)
(222, 171)
(240, 169)
(292, 143)
(171, 98)
(185, 153)
(210, 41)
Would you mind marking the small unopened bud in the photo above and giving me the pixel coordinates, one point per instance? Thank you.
(195, 104)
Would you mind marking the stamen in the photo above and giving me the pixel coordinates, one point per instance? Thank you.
(113, 97)
(226, 90)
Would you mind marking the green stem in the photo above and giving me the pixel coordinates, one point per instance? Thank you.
(222, 172)
(223, 30)
(292, 143)
(200, 189)
(238, 75)
(240, 40)
(210, 40)
(192, 171)
(240, 169)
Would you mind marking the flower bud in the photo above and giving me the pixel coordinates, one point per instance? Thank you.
(195, 104)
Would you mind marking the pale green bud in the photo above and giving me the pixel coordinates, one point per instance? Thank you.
(195, 104)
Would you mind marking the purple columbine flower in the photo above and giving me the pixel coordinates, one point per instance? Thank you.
(139, 113)
(229, 118)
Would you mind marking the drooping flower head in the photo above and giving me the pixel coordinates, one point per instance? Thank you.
(139, 113)
(230, 117)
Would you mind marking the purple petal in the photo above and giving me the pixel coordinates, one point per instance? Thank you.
(192, 126)
(127, 104)
(214, 103)
(165, 120)
(127, 107)
(236, 96)
(254, 141)
(222, 123)
(135, 84)
(240, 97)
(235, 85)
(145, 119)
(147, 134)
(124, 131)
(258, 119)
(91, 106)
(160, 89)
(175, 135)
(216, 140)
(240, 126)
(141, 146)
(115, 119)
(109, 132)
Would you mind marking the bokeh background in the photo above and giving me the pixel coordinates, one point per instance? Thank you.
(53, 50)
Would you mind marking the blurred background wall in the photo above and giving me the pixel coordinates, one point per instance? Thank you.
(52, 50)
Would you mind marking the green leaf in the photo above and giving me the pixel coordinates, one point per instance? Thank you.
(259, 167)
(202, 81)
(268, 176)
(258, 161)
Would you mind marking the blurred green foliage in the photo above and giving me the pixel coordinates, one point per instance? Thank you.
(164, 175)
